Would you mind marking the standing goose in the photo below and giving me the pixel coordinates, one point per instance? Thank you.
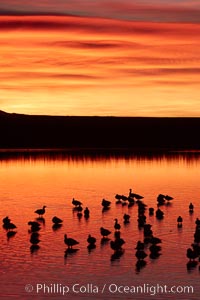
(76, 202)
(35, 226)
(136, 196)
(179, 221)
(91, 240)
(104, 232)
(41, 211)
(126, 218)
(105, 203)
(86, 212)
(191, 207)
(140, 254)
(117, 226)
(6, 220)
(70, 242)
(168, 198)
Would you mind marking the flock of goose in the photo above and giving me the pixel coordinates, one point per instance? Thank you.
(150, 241)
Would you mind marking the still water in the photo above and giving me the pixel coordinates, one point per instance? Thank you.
(29, 182)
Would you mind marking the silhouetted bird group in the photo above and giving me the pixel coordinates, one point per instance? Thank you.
(149, 246)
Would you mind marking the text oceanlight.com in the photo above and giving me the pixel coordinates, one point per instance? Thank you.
(112, 288)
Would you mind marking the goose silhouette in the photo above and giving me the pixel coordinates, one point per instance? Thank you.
(117, 226)
(151, 211)
(134, 195)
(118, 197)
(159, 214)
(191, 254)
(6, 220)
(168, 198)
(91, 240)
(104, 232)
(140, 254)
(126, 218)
(70, 242)
(86, 212)
(9, 226)
(105, 203)
(140, 246)
(35, 226)
(179, 221)
(191, 207)
(117, 244)
(56, 220)
(76, 202)
(41, 211)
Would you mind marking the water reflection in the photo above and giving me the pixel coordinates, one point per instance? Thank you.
(130, 237)
(85, 155)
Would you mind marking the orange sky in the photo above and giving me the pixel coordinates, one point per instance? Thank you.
(70, 65)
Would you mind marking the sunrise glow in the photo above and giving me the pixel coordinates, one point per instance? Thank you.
(100, 64)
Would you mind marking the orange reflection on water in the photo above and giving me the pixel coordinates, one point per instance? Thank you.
(28, 184)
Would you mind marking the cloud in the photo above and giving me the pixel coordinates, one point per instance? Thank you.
(95, 26)
(87, 44)
(163, 71)
(154, 11)
(29, 75)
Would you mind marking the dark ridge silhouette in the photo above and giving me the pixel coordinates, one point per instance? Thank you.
(68, 132)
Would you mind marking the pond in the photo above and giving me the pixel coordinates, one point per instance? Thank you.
(49, 270)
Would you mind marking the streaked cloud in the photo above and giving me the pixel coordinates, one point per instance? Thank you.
(134, 10)
(81, 65)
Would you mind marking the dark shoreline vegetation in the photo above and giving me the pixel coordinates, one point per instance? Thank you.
(20, 133)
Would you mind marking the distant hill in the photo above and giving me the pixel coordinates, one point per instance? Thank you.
(26, 131)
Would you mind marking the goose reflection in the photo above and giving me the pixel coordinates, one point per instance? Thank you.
(34, 248)
(56, 227)
(11, 234)
(191, 265)
(34, 239)
(91, 247)
(140, 264)
(69, 253)
(104, 241)
(41, 220)
(116, 255)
